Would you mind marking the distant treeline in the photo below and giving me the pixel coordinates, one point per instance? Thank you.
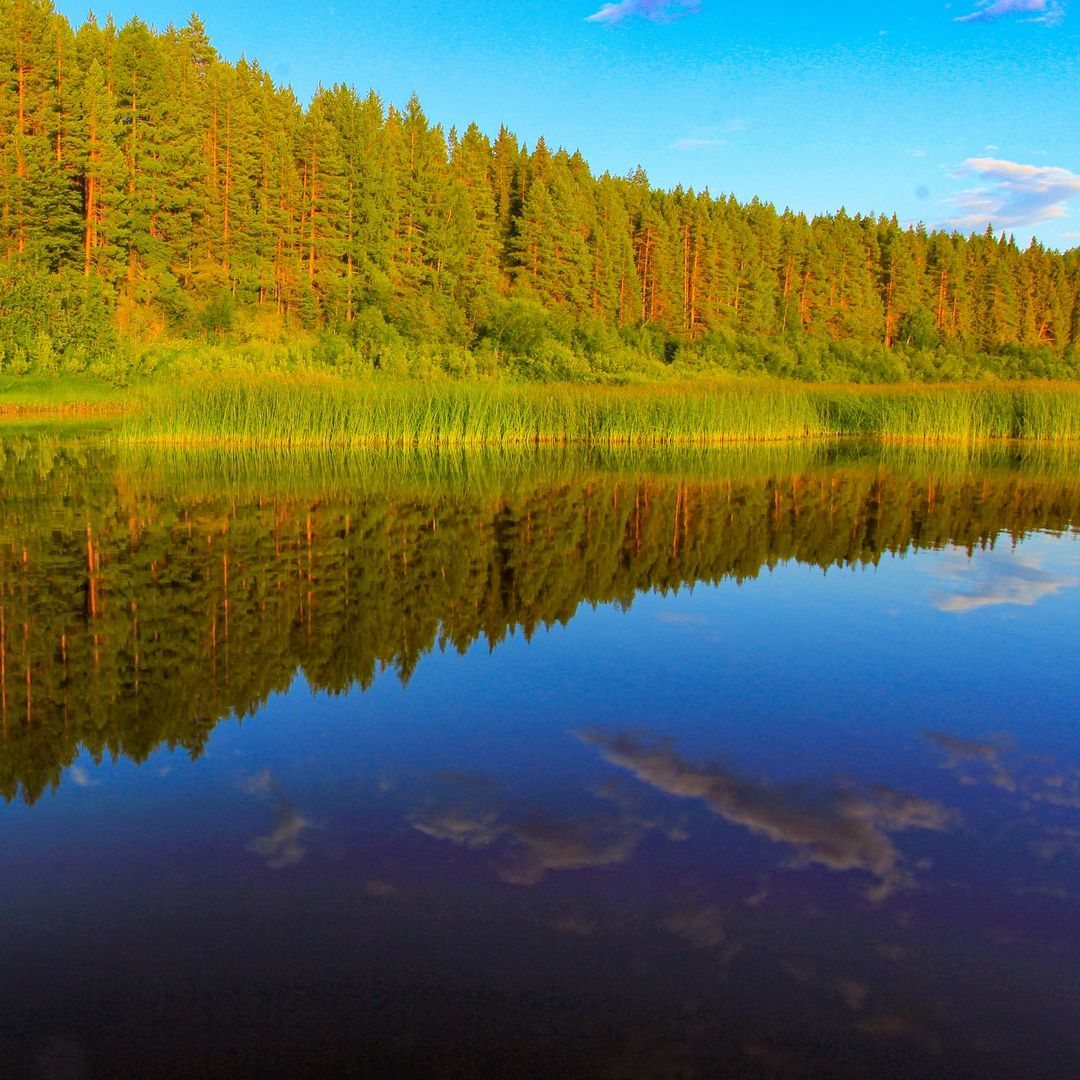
(149, 188)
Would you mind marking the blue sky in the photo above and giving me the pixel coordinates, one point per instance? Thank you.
(954, 114)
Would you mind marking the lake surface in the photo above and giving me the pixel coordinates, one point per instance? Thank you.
(740, 764)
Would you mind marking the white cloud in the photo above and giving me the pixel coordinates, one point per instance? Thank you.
(653, 10)
(1012, 195)
(1047, 12)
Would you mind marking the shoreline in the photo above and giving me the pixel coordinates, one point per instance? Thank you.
(313, 412)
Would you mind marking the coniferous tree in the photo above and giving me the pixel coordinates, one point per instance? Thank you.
(181, 188)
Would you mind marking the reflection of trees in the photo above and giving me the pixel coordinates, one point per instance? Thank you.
(136, 614)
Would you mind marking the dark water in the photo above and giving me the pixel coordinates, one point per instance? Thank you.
(742, 765)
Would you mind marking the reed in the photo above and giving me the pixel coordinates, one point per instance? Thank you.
(329, 413)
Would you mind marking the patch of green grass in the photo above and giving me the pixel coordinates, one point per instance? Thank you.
(74, 395)
(324, 412)
(327, 412)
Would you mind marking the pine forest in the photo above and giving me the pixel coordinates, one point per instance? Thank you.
(155, 197)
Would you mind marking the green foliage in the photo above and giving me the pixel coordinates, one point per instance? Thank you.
(53, 323)
(217, 315)
(150, 189)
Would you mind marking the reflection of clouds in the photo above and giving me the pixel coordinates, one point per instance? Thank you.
(996, 579)
(463, 812)
(261, 783)
(981, 761)
(701, 927)
(460, 826)
(576, 844)
(531, 847)
(960, 748)
(282, 847)
(987, 752)
(1057, 841)
(843, 829)
(81, 777)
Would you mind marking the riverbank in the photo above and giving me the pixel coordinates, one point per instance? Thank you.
(292, 412)
(71, 397)
(329, 412)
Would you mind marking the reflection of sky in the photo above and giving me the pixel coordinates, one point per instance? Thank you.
(996, 577)
(842, 829)
(759, 760)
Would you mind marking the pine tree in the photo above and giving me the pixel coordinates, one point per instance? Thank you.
(38, 207)
(103, 176)
(325, 196)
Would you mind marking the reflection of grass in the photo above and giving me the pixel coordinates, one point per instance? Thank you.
(495, 472)
(332, 413)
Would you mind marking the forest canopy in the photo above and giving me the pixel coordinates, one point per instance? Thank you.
(151, 191)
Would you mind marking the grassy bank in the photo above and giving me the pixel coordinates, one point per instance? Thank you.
(29, 396)
(328, 412)
(325, 412)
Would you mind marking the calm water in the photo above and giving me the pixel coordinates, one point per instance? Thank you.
(745, 765)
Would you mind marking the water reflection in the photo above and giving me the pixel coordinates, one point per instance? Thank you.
(139, 606)
(842, 829)
(998, 579)
(791, 826)
(282, 847)
(996, 761)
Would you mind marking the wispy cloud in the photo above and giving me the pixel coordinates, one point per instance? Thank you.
(1012, 194)
(653, 10)
(1048, 12)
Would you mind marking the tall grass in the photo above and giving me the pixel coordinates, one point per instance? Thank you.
(293, 412)
(325, 412)
(956, 413)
